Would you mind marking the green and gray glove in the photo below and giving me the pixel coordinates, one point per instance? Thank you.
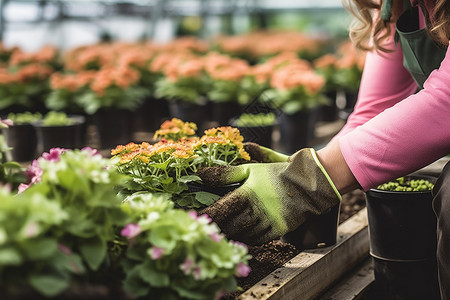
(264, 154)
(274, 199)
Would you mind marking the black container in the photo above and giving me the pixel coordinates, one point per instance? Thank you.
(262, 135)
(200, 114)
(329, 112)
(402, 233)
(69, 137)
(222, 112)
(316, 232)
(114, 127)
(297, 130)
(150, 115)
(23, 141)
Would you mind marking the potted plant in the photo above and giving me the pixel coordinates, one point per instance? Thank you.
(170, 165)
(57, 129)
(184, 86)
(296, 91)
(256, 128)
(67, 235)
(21, 136)
(402, 231)
(225, 75)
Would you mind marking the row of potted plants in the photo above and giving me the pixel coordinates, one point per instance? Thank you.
(66, 233)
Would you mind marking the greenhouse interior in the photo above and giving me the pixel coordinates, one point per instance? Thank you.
(145, 149)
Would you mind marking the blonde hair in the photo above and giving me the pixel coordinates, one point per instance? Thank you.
(368, 33)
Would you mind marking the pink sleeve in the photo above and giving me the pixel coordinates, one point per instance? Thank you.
(384, 83)
(404, 138)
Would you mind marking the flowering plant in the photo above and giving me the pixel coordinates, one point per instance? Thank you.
(350, 67)
(295, 87)
(82, 183)
(225, 75)
(177, 254)
(184, 79)
(175, 129)
(169, 166)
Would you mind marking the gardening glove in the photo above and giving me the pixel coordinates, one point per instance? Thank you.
(274, 199)
(263, 154)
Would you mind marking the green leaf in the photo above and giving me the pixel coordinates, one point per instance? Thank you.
(134, 284)
(189, 178)
(94, 252)
(49, 285)
(206, 198)
(40, 249)
(153, 277)
(9, 256)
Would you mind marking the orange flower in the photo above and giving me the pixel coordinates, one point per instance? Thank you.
(118, 150)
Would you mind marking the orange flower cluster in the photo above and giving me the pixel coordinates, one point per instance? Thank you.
(27, 73)
(122, 77)
(224, 67)
(263, 72)
(350, 56)
(263, 43)
(71, 82)
(46, 54)
(174, 129)
(189, 44)
(186, 148)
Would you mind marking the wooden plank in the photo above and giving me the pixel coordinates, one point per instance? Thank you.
(312, 272)
(354, 286)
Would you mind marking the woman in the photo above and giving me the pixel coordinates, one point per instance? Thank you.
(400, 124)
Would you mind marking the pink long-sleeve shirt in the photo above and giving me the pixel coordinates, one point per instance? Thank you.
(393, 131)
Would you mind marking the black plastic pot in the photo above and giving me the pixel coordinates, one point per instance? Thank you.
(329, 112)
(223, 112)
(189, 112)
(114, 127)
(297, 130)
(152, 113)
(22, 139)
(69, 137)
(316, 232)
(346, 102)
(402, 232)
(261, 135)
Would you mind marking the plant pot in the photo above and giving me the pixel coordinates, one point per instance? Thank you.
(346, 102)
(224, 111)
(297, 130)
(152, 113)
(329, 113)
(190, 112)
(316, 232)
(23, 141)
(114, 127)
(68, 137)
(261, 135)
(402, 232)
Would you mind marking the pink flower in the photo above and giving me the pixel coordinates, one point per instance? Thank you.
(193, 214)
(91, 151)
(33, 174)
(156, 253)
(31, 230)
(53, 154)
(64, 249)
(220, 294)
(216, 237)
(131, 231)
(6, 123)
(242, 270)
(205, 217)
(187, 266)
(22, 187)
(197, 272)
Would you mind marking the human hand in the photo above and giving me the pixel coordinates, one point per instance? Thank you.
(274, 199)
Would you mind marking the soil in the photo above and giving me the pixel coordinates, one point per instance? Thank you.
(268, 257)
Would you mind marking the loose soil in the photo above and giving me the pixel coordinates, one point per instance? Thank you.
(268, 257)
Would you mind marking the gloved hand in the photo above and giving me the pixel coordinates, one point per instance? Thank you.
(274, 199)
(263, 154)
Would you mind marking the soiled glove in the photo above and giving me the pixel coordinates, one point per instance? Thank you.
(263, 154)
(274, 199)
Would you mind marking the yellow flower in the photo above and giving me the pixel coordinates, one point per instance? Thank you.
(244, 154)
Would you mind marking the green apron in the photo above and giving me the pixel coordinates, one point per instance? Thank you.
(421, 55)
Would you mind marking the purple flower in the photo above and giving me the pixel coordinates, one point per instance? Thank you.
(156, 253)
(242, 270)
(131, 231)
(53, 154)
